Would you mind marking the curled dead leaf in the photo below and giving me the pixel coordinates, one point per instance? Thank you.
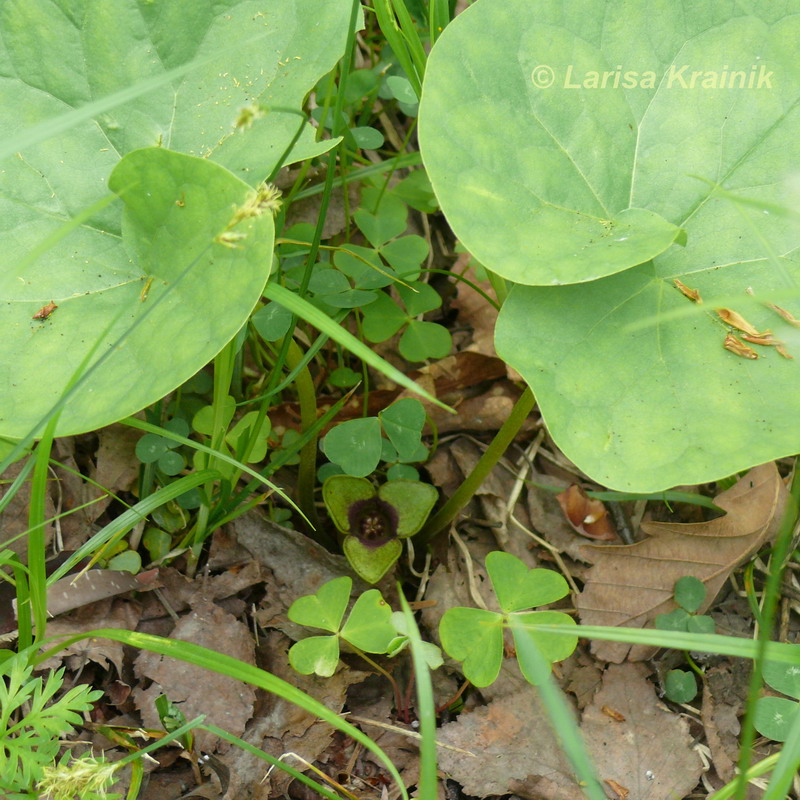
(618, 789)
(765, 339)
(588, 517)
(738, 347)
(784, 314)
(736, 321)
(692, 294)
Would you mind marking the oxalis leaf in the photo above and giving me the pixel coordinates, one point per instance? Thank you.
(368, 627)
(96, 278)
(475, 636)
(538, 177)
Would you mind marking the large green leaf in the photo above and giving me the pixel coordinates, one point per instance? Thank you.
(641, 395)
(659, 406)
(56, 57)
(538, 183)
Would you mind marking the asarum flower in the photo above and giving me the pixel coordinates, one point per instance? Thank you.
(375, 521)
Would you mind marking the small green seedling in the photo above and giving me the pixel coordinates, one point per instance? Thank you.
(32, 723)
(375, 521)
(775, 716)
(474, 636)
(680, 685)
(689, 593)
(368, 629)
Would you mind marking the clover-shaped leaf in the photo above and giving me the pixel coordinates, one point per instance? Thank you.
(371, 563)
(475, 636)
(775, 716)
(368, 627)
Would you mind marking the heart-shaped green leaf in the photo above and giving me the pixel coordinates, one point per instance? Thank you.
(784, 677)
(402, 423)
(325, 608)
(96, 269)
(518, 587)
(474, 636)
(371, 563)
(431, 653)
(624, 405)
(387, 222)
(355, 445)
(680, 686)
(413, 501)
(319, 654)
(369, 626)
(537, 181)
(775, 716)
(552, 647)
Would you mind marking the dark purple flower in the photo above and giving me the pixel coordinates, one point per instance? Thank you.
(373, 521)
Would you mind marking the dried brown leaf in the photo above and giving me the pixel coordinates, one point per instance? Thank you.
(692, 294)
(514, 751)
(650, 753)
(629, 584)
(587, 516)
(102, 614)
(764, 339)
(736, 321)
(224, 701)
(784, 314)
(738, 347)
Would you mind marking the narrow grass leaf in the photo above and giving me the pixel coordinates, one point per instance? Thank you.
(326, 325)
(232, 667)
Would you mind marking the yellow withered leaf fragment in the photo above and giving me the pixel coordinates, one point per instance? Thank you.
(736, 321)
(738, 347)
(765, 339)
(785, 314)
(692, 294)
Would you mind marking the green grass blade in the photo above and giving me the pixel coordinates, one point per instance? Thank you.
(117, 528)
(400, 161)
(146, 426)
(756, 771)
(428, 788)
(37, 575)
(16, 485)
(438, 18)
(226, 665)
(323, 323)
(396, 40)
(276, 762)
(679, 640)
(409, 32)
(560, 714)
